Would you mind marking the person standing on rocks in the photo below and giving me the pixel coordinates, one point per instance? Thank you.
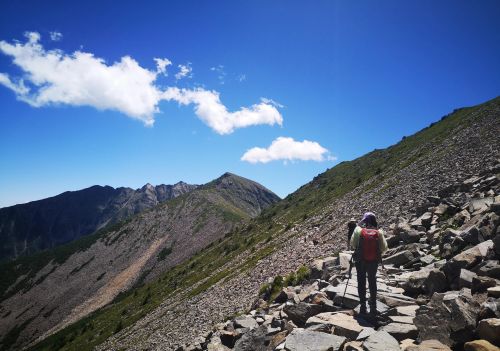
(368, 243)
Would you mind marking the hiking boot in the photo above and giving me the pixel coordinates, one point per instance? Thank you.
(362, 309)
(373, 310)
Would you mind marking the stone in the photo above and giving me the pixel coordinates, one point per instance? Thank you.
(406, 344)
(353, 346)
(365, 333)
(435, 282)
(472, 236)
(343, 324)
(228, 338)
(481, 284)
(402, 319)
(245, 322)
(407, 310)
(466, 259)
(411, 236)
(344, 259)
(215, 344)
(394, 300)
(449, 317)
(381, 341)
(304, 340)
(401, 331)
(399, 258)
(494, 292)
(348, 301)
(489, 329)
(301, 312)
(277, 339)
(429, 345)
(490, 268)
(465, 278)
(480, 345)
(254, 340)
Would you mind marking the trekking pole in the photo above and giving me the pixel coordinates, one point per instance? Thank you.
(347, 283)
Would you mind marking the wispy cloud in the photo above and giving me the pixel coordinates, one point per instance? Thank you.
(162, 64)
(221, 74)
(241, 78)
(185, 71)
(287, 149)
(55, 36)
(53, 77)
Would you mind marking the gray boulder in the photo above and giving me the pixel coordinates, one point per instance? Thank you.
(399, 258)
(304, 340)
(301, 312)
(381, 341)
(448, 317)
(489, 329)
(254, 340)
(435, 282)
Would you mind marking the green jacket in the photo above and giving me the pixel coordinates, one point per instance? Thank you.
(355, 239)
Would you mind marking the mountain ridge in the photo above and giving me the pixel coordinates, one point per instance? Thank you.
(41, 224)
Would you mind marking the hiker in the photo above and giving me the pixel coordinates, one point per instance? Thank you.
(351, 225)
(368, 243)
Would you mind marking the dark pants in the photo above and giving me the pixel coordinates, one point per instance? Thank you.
(363, 269)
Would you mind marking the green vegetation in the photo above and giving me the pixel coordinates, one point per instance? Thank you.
(271, 291)
(243, 248)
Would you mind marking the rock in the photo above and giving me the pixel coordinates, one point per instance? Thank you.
(441, 209)
(277, 339)
(465, 278)
(494, 291)
(304, 340)
(480, 205)
(343, 324)
(472, 236)
(466, 259)
(215, 344)
(402, 319)
(394, 300)
(429, 345)
(245, 322)
(399, 258)
(448, 317)
(348, 301)
(254, 340)
(407, 310)
(406, 344)
(401, 331)
(344, 259)
(489, 309)
(480, 345)
(365, 333)
(353, 346)
(381, 341)
(489, 329)
(481, 284)
(411, 236)
(301, 312)
(436, 282)
(490, 268)
(228, 338)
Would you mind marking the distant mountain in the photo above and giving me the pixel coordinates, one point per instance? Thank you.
(90, 272)
(39, 225)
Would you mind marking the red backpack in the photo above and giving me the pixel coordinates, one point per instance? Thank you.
(369, 244)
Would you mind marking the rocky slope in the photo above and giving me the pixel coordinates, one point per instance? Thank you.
(39, 225)
(438, 289)
(223, 279)
(46, 292)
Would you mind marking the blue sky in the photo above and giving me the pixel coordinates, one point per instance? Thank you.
(347, 76)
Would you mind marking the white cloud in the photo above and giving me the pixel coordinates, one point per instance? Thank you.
(161, 65)
(242, 77)
(287, 149)
(52, 77)
(210, 110)
(185, 71)
(55, 36)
